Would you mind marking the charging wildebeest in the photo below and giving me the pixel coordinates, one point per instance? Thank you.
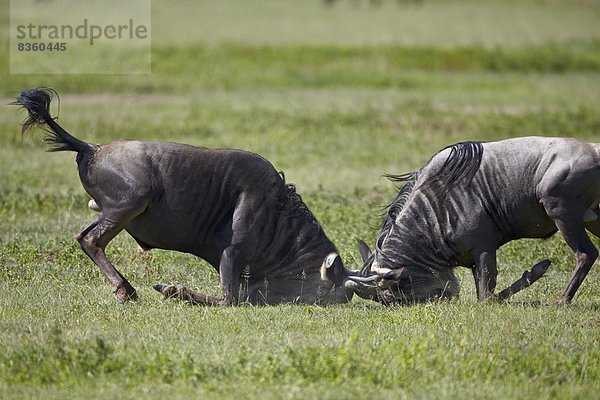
(470, 199)
(229, 207)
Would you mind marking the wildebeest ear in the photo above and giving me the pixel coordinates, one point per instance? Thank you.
(363, 248)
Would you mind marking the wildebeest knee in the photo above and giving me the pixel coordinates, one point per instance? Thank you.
(586, 257)
(84, 239)
(79, 237)
(88, 244)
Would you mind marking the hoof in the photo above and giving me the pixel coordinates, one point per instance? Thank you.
(125, 294)
(563, 301)
(539, 269)
(227, 302)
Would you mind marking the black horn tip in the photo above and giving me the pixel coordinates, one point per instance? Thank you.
(543, 265)
(160, 287)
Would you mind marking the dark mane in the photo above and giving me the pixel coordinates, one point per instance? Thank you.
(294, 205)
(405, 183)
(462, 163)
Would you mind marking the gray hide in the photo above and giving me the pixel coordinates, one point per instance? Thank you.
(470, 199)
(229, 207)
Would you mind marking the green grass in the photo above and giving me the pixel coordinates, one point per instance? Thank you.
(198, 67)
(334, 97)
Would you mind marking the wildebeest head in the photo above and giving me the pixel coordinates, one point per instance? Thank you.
(396, 279)
(406, 272)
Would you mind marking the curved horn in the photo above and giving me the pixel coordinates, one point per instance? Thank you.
(363, 248)
(333, 269)
(365, 279)
(328, 262)
(369, 292)
(93, 205)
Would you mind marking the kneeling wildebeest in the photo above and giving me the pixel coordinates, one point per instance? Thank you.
(470, 199)
(229, 207)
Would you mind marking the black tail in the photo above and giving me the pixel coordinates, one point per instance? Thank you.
(37, 103)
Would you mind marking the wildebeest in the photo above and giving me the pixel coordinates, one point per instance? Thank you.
(470, 199)
(229, 207)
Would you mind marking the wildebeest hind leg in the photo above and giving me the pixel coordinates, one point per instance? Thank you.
(93, 240)
(571, 227)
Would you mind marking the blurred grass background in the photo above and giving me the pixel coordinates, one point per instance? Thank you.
(335, 96)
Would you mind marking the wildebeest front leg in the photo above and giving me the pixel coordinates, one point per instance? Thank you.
(184, 294)
(93, 240)
(230, 271)
(485, 274)
(528, 277)
(474, 271)
(248, 220)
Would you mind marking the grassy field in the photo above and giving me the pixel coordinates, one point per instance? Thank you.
(335, 97)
